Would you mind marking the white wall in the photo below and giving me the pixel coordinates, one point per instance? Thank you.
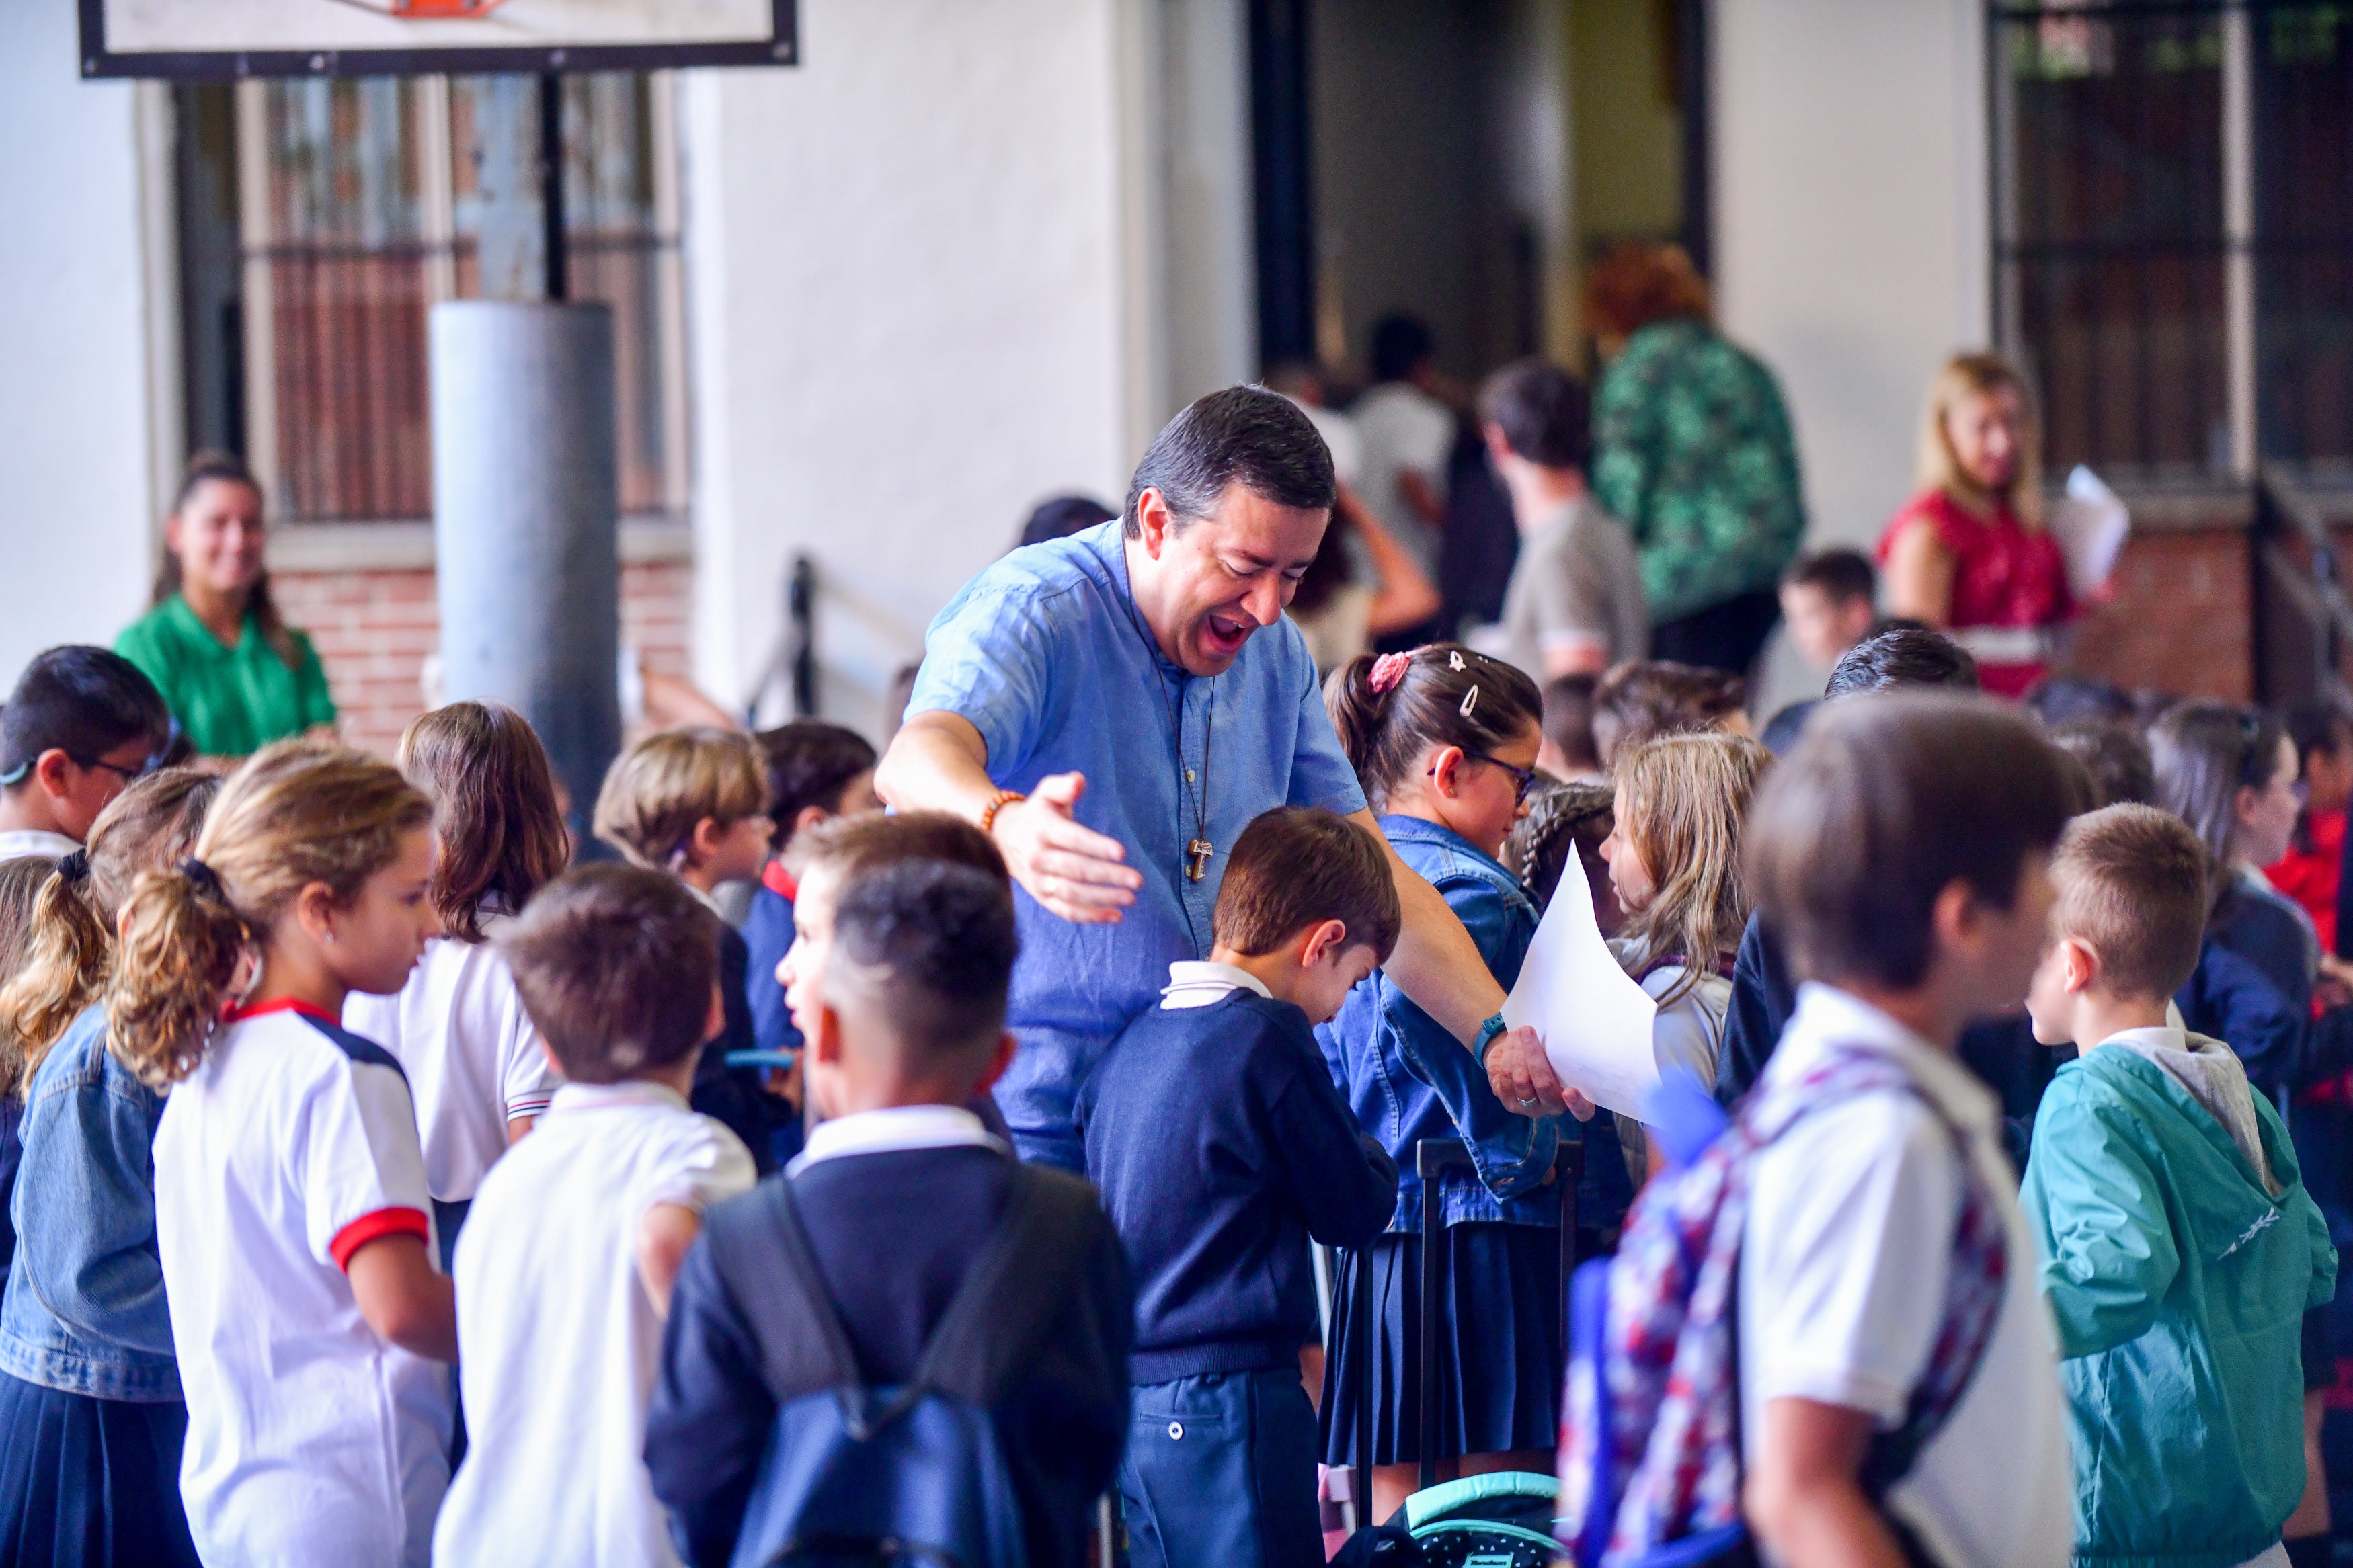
(1851, 213)
(911, 303)
(1851, 224)
(76, 462)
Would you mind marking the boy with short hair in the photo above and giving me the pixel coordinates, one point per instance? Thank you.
(81, 724)
(565, 1268)
(2181, 1249)
(900, 1200)
(1222, 1148)
(694, 802)
(1830, 600)
(1897, 1376)
(817, 771)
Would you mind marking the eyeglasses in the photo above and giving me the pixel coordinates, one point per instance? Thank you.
(128, 776)
(1523, 779)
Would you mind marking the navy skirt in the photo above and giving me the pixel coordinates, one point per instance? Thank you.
(88, 1482)
(1499, 1350)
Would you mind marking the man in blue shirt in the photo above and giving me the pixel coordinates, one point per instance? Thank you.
(1114, 707)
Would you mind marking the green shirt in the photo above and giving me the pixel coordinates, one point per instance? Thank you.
(1692, 447)
(230, 701)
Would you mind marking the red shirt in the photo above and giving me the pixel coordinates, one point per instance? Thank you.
(2310, 877)
(2004, 574)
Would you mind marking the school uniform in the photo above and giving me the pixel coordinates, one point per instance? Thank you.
(897, 1205)
(472, 1058)
(560, 1339)
(1497, 1337)
(738, 1096)
(767, 932)
(1222, 1148)
(40, 841)
(311, 1438)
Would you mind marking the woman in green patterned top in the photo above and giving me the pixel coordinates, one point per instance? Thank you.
(236, 675)
(1692, 449)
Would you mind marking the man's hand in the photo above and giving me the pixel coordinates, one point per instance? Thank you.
(1076, 872)
(1521, 1077)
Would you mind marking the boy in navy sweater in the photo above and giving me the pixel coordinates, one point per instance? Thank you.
(899, 1194)
(1221, 1147)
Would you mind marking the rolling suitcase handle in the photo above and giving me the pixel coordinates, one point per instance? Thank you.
(1431, 1157)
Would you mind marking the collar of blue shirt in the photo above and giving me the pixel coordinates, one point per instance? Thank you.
(1195, 983)
(897, 1127)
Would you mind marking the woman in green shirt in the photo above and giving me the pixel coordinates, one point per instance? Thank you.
(236, 676)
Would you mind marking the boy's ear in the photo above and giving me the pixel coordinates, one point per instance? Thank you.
(2081, 964)
(998, 1063)
(704, 840)
(825, 1046)
(1324, 945)
(808, 816)
(714, 1019)
(49, 772)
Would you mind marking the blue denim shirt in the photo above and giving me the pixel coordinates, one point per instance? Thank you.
(1046, 655)
(84, 1310)
(1408, 1079)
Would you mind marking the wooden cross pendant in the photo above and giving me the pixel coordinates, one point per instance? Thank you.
(1197, 863)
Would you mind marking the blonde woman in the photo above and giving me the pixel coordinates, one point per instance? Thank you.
(1968, 555)
(1675, 863)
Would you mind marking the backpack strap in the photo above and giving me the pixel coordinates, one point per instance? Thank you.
(1014, 1290)
(762, 1253)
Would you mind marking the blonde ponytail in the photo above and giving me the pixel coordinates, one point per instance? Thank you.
(63, 972)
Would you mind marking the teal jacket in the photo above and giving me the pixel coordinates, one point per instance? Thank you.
(2176, 1285)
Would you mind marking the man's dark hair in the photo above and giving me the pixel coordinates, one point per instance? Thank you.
(1401, 345)
(1298, 866)
(1543, 412)
(1901, 655)
(2114, 755)
(1244, 435)
(82, 701)
(1839, 574)
(617, 965)
(1062, 517)
(809, 762)
(1882, 806)
(2067, 698)
(929, 947)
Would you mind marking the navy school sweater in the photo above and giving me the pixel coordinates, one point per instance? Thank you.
(1221, 1147)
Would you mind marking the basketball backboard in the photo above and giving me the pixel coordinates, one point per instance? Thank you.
(232, 38)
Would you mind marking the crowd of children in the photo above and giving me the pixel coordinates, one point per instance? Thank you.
(383, 1186)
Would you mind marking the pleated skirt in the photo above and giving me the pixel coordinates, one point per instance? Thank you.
(89, 1483)
(1500, 1357)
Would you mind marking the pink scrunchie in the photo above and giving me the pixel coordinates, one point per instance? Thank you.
(1388, 669)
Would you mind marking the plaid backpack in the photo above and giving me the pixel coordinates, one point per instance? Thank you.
(1651, 1446)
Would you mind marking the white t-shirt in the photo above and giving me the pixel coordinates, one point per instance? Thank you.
(1842, 1274)
(18, 841)
(1341, 438)
(474, 1058)
(560, 1341)
(311, 1439)
(1403, 428)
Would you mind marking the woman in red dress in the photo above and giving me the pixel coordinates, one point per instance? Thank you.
(1968, 555)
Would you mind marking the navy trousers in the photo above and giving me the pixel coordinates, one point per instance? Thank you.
(1220, 1469)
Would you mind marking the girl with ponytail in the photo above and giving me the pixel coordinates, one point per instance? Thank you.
(1445, 742)
(91, 1415)
(292, 1214)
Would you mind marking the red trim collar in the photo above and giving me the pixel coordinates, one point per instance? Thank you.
(779, 881)
(282, 1005)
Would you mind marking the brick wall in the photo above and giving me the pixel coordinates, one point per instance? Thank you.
(2180, 619)
(375, 626)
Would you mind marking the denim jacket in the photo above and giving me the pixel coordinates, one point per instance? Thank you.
(84, 1310)
(1407, 1079)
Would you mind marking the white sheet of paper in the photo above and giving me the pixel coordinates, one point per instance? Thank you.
(2091, 524)
(1594, 1020)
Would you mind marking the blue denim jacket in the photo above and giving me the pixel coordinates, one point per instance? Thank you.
(84, 1310)
(1408, 1079)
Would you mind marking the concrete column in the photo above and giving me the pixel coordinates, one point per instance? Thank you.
(526, 513)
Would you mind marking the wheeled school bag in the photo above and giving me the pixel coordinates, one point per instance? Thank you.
(1651, 1461)
(913, 1474)
(1503, 1519)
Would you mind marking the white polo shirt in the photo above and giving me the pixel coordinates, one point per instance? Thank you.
(470, 1051)
(560, 1342)
(311, 1439)
(1850, 1235)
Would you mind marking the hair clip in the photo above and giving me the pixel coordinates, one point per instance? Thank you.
(1454, 659)
(1469, 702)
(1388, 669)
